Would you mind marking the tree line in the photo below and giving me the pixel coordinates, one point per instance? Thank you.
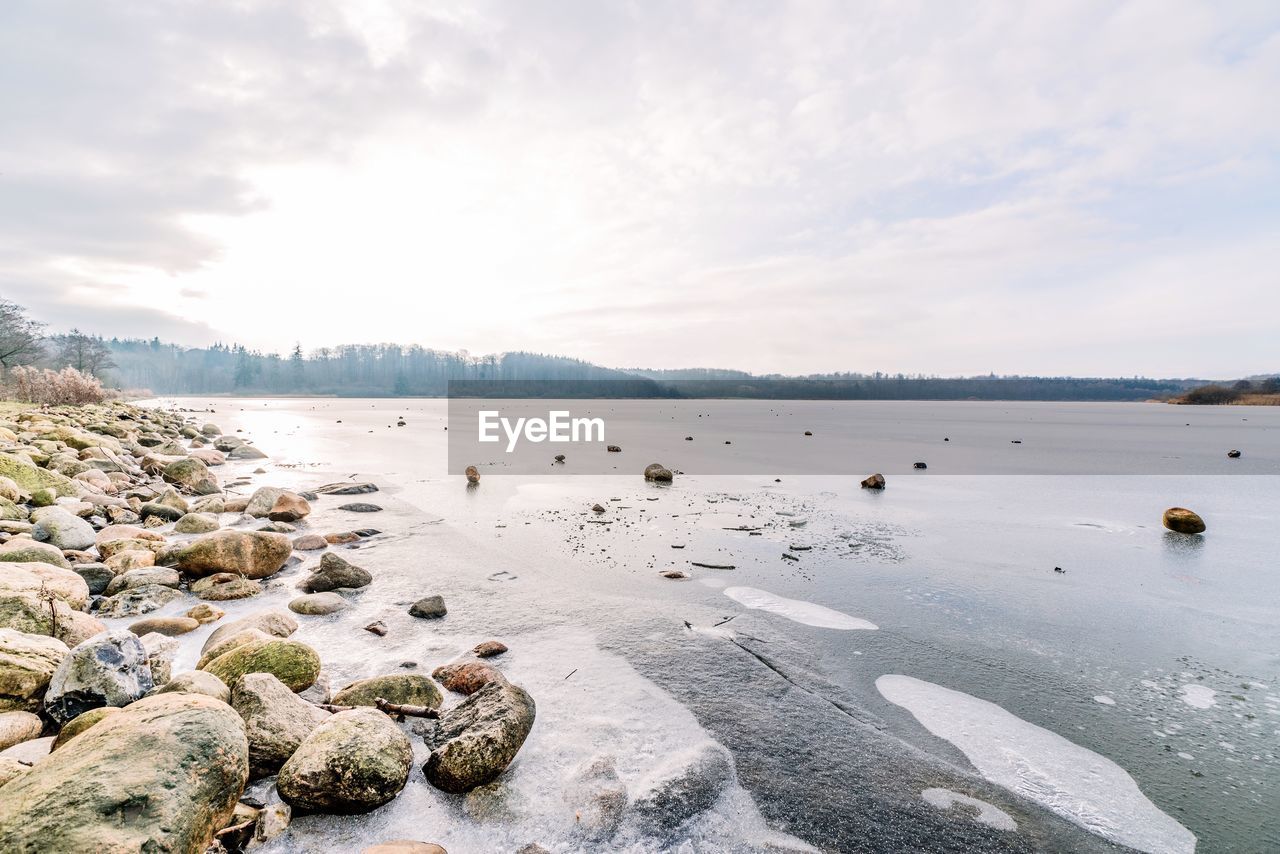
(393, 370)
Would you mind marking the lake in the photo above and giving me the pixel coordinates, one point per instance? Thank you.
(1002, 652)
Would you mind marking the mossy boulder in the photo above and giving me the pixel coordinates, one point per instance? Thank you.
(352, 763)
(196, 523)
(295, 664)
(191, 474)
(81, 723)
(27, 663)
(10, 512)
(32, 478)
(476, 740)
(22, 550)
(25, 611)
(162, 775)
(224, 587)
(408, 689)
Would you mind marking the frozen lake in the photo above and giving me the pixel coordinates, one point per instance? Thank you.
(891, 670)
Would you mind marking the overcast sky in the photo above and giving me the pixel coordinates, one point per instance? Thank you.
(952, 188)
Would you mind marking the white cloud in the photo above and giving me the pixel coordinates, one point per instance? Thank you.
(1056, 188)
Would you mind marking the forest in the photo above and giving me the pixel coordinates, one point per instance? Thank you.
(393, 370)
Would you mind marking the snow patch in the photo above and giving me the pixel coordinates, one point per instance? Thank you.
(1042, 766)
(988, 814)
(1198, 696)
(796, 609)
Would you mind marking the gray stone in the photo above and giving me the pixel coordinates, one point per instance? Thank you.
(109, 669)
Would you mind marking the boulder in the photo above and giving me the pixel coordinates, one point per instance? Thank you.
(254, 554)
(429, 608)
(167, 626)
(111, 548)
(196, 523)
(134, 578)
(289, 507)
(164, 512)
(295, 664)
(211, 430)
(406, 689)
(31, 479)
(875, 481)
(310, 543)
(225, 586)
(43, 579)
(126, 532)
(136, 601)
(9, 489)
(1183, 521)
(193, 475)
(205, 613)
(109, 669)
(335, 573)
(346, 488)
(352, 763)
(360, 507)
(26, 612)
(162, 775)
(10, 512)
(29, 752)
(489, 649)
(275, 623)
(658, 472)
(123, 561)
(195, 682)
(80, 723)
(466, 677)
(476, 740)
(18, 726)
(245, 452)
(209, 504)
(318, 604)
(263, 499)
(21, 550)
(276, 721)
(63, 531)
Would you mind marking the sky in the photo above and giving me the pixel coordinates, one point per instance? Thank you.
(1060, 188)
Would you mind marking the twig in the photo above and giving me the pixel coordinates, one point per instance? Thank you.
(571, 672)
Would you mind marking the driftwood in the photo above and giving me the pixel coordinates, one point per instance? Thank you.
(713, 565)
(393, 709)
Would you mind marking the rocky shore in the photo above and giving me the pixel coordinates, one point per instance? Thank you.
(114, 512)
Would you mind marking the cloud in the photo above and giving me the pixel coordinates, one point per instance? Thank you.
(794, 187)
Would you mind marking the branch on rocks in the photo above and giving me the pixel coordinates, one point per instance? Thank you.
(399, 710)
(393, 709)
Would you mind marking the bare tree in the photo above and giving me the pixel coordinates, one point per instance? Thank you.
(20, 337)
(88, 354)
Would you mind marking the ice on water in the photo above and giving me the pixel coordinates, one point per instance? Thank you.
(1040, 765)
